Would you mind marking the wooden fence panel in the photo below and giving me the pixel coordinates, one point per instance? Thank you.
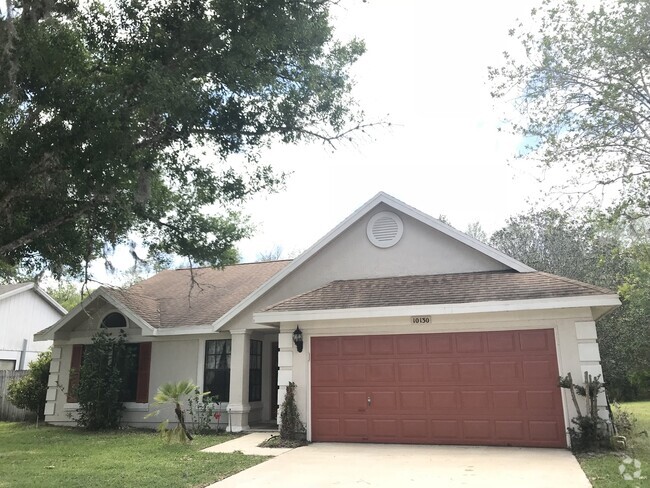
(7, 411)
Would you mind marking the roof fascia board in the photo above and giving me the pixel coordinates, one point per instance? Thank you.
(178, 331)
(48, 334)
(381, 197)
(51, 301)
(16, 291)
(457, 235)
(443, 309)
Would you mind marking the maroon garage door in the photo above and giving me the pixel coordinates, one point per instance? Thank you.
(479, 388)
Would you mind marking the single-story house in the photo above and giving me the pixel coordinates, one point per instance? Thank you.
(24, 310)
(412, 332)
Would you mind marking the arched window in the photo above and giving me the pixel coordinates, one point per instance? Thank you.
(114, 320)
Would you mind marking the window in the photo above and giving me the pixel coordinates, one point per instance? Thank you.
(134, 368)
(7, 364)
(114, 320)
(255, 372)
(216, 374)
(129, 370)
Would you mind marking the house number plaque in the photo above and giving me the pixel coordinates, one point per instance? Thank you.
(421, 319)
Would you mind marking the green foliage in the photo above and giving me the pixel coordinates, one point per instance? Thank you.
(590, 431)
(580, 85)
(202, 408)
(175, 395)
(100, 381)
(67, 295)
(291, 427)
(29, 391)
(148, 120)
(603, 252)
(624, 420)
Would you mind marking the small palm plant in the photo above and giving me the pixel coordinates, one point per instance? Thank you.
(174, 394)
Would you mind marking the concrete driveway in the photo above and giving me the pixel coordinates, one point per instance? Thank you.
(400, 466)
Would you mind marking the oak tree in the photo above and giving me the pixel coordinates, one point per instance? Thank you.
(145, 119)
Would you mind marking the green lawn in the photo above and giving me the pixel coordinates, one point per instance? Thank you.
(56, 456)
(602, 469)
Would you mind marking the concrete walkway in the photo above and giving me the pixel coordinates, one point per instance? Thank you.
(390, 466)
(247, 444)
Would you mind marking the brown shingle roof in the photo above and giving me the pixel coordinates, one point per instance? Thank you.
(169, 299)
(437, 290)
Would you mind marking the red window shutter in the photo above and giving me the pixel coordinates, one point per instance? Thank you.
(75, 366)
(144, 367)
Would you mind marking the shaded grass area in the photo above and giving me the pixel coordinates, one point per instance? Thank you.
(602, 469)
(59, 456)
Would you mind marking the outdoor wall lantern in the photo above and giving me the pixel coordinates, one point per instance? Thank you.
(297, 338)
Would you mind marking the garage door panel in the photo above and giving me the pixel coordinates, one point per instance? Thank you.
(445, 430)
(474, 373)
(354, 373)
(471, 400)
(540, 369)
(545, 430)
(442, 373)
(385, 428)
(441, 400)
(542, 400)
(487, 388)
(414, 429)
(382, 345)
(355, 427)
(439, 343)
(536, 340)
(409, 344)
(509, 430)
(500, 342)
(411, 372)
(383, 401)
(382, 372)
(326, 401)
(325, 347)
(477, 430)
(326, 374)
(355, 401)
(326, 428)
(353, 346)
(507, 400)
(505, 372)
(413, 400)
(471, 342)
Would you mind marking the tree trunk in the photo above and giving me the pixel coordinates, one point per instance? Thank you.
(181, 420)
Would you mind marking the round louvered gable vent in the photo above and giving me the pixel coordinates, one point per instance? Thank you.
(385, 229)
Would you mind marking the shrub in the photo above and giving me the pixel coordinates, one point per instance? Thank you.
(291, 427)
(624, 421)
(29, 391)
(100, 382)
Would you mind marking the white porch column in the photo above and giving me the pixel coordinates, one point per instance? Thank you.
(238, 406)
(285, 366)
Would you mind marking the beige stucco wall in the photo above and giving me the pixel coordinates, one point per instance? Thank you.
(295, 366)
(173, 359)
(421, 251)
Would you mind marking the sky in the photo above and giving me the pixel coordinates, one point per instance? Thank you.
(425, 72)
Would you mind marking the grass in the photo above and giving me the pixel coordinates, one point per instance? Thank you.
(602, 469)
(58, 456)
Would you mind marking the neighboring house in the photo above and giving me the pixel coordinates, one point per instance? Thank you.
(24, 310)
(412, 331)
